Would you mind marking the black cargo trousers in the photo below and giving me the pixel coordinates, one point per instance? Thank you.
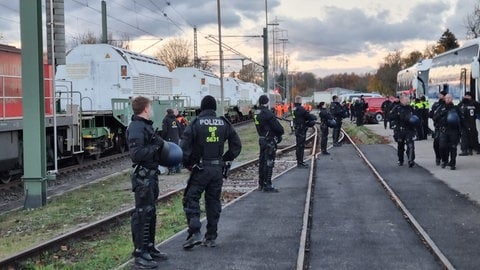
(268, 149)
(208, 178)
(300, 136)
(144, 217)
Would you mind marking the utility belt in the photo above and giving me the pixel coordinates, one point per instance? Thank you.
(443, 129)
(300, 127)
(143, 172)
(266, 138)
(141, 177)
(400, 128)
(211, 162)
(199, 166)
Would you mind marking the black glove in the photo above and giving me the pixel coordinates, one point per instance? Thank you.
(226, 169)
(277, 139)
(158, 141)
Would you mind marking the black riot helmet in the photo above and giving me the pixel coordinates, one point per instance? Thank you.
(453, 120)
(331, 123)
(170, 155)
(414, 120)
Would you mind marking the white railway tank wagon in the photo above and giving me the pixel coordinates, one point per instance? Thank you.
(97, 73)
(192, 84)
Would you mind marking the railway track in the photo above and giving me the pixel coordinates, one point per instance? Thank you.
(12, 193)
(238, 184)
(243, 179)
(304, 248)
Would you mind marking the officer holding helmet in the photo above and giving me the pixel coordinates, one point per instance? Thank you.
(147, 151)
(436, 133)
(404, 123)
(326, 121)
(302, 120)
(447, 116)
(270, 133)
(203, 154)
(338, 113)
(469, 109)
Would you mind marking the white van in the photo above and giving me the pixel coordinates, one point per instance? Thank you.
(352, 97)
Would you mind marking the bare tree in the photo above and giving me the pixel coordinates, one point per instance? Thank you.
(472, 23)
(85, 38)
(123, 43)
(250, 73)
(429, 51)
(412, 58)
(176, 53)
(91, 38)
(385, 80)
(204, 64)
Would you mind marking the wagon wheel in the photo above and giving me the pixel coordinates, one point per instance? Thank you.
(96, 156)
(119, 143)
(79, 159)
(5, 177)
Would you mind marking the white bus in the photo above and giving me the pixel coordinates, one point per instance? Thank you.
(456, 71)
(413, 80)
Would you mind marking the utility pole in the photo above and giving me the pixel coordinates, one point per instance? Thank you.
(34, 136)
(265, 51)
(284, 40)
(265, 58)
(287, 90)
(56, 55)
(273, 49)
(195, 48)
(221, 110)
(104, 22)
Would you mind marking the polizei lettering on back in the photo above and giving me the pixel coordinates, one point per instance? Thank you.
(212, 122)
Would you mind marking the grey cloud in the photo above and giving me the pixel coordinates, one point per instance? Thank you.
(349, 31)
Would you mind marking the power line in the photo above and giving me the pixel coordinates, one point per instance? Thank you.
(116, 19)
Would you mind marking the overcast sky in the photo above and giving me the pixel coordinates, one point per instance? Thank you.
(323, 37)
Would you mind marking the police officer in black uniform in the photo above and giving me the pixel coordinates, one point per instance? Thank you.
(447, 117)
(436, 131)
(338, 113)
(469, 109)
(325, 122)
(203, 154)
(171, 132)
(360, 108)
(386, 106)
(145, 149)
(404, 123)
(302, 120)
(270, 133)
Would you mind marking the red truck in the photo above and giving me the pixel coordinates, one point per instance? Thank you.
(374, 111)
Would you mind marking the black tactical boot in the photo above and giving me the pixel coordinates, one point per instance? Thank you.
(270, 189)
(155, 253)
(143, 260)
(193, 240)
(209, 243)
(302, 165)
